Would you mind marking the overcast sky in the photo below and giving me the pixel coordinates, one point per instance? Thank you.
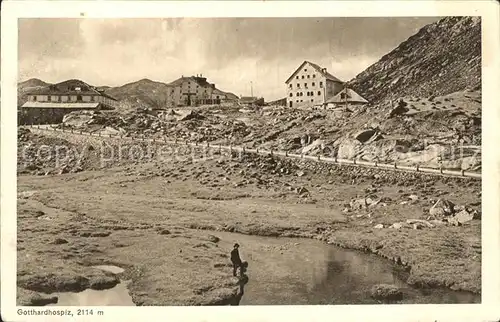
(231, 52)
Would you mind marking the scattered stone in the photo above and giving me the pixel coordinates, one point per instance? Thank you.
(379, 226)
(301, 190)
(100, 234)
(163, 231)
(461, 218)
(386, 292)
(420, 222)
(59, 241)
(442, 208)
(213, 239)
(397, 225)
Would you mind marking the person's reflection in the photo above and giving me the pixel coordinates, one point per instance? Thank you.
(242, 281)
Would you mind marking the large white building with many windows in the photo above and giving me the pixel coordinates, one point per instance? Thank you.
(311, 85)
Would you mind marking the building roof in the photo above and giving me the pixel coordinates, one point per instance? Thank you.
(319, 69)
(69, 88)
(31, 104)
(202, 81)
(352, 97)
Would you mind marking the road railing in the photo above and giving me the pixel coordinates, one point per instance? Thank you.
(286, 154)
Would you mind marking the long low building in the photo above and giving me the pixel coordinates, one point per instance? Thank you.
(51, 103)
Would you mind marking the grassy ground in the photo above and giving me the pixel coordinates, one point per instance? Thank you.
(141, 218)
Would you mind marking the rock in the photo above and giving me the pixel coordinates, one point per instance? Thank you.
(100, 234)
(59, 241)
(399, 110)
(300, 173)
(397, 225)
(386, 292)
(163, 231)
(362, 203)
(103, 282)
(213, 239)
(301, 190)
(49, 282)
(379, 226)
(413, 197)
(461, 218)
(30, 298)
(364, 135)
(442, 208)
(419, 222)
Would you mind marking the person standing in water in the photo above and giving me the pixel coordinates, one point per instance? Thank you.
(235, 258)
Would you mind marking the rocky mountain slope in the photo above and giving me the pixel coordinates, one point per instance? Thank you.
(142, 93)
(441, 58)
(27, 86)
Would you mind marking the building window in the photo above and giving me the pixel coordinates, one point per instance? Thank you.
(319, 92)
(312, 99)
(78, 98)
(305, 70)
(290, 86)
(298, 85)
(342, 95)
(297, 77)
(33, 98)
(305, 85)
(320, 84)
(297, 94)
(301, 101)
(313, 84)
(49, 98)
(291, 103)
(308, 76)
(297, 101)
(314, 75)
(302, 76)
(291, 94)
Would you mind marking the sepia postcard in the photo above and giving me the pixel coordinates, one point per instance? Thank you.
(298, 160)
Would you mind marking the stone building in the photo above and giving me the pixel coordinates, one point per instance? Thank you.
(195, 90)
(48, 105)
(311, 85)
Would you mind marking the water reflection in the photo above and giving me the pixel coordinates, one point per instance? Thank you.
(288, 271)
(117, 296)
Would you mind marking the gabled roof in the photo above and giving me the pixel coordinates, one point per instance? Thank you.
(68, 88)
(352, 97)
(318, 69)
